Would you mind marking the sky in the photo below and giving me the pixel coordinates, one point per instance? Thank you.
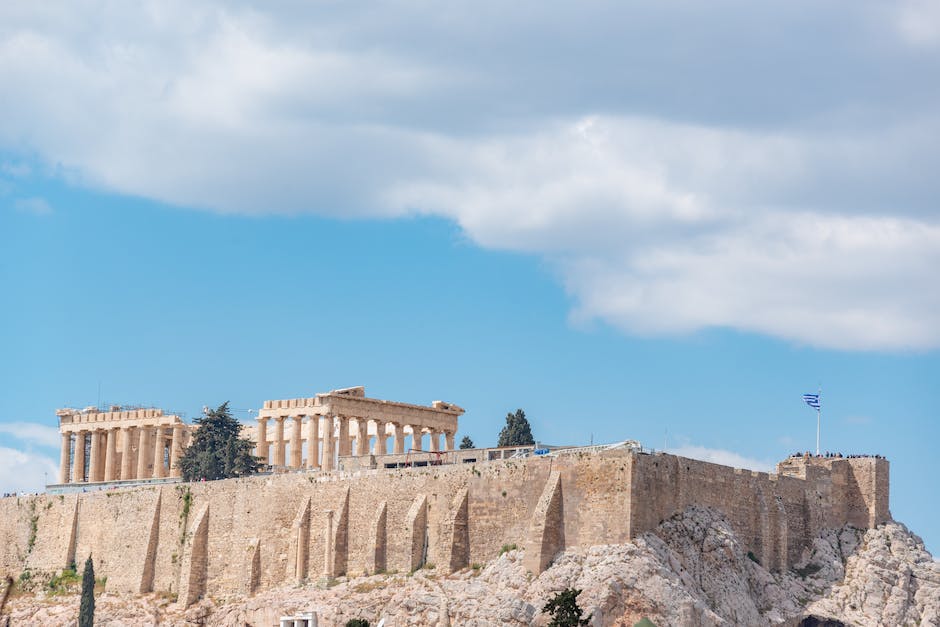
(661, 222)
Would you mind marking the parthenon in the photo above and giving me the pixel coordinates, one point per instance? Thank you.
(120, 444)
(144, 444)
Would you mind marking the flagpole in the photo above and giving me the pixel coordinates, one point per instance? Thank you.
(817, 433)
(818, 419)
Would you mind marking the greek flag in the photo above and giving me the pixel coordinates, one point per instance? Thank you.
(812, 400)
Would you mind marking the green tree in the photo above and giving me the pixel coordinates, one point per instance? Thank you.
(466, 442)
(216, 451)
(357, 622)
(517, 431)
(86, 611)
(564, 609)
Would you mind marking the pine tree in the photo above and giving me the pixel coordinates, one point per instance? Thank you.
(86, 611)
(564, 609)
(466, 443)
(216, 451)
(517, 431)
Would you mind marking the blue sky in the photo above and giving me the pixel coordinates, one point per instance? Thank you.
(660, 224)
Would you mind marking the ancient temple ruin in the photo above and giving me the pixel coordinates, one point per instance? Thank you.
(120, 444)
(144, 444)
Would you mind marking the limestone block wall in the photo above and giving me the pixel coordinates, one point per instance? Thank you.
(243, 535)
(768, 511)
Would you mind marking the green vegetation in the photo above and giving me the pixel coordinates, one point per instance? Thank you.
(517, 431)
(63, 582)
(753, 558)
(86, 611)
(564, 610)
(357, 622)
(186, 496)
(644, 622)
(216, 451)
(466, 443)
(506, 548)
(33, 527)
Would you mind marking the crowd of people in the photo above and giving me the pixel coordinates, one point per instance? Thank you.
(12, 494)
(827, 454)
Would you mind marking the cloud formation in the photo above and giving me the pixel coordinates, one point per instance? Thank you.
(32, 433)
(22, 471)
(763, 168)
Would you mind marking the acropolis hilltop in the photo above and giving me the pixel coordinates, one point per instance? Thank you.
(336, 499)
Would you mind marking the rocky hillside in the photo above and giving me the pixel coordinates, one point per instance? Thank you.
(693, 571)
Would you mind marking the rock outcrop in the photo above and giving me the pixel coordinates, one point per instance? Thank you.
(692, 571)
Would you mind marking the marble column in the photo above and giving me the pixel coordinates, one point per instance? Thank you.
(344, 443)
(263, 448)
(448, 440)
(435, 444)
(110, 455)
(279, 440)
(313, 441)
(296, 448)
(381, 439)
(94, 464)
(329, 444)
(398, 447)
(127, 459)
(416, 438)
(78, 459)
(159, 447)
(64, 458)
(176, 451)
(143, 445)
(362, 437)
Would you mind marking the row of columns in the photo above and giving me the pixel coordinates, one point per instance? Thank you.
(313, 437)
(102, 463)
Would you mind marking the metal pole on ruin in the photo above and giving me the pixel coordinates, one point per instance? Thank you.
(818, 419)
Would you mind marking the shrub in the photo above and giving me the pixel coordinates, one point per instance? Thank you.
(564, 610)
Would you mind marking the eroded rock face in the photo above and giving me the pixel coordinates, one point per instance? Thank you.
(693, 571)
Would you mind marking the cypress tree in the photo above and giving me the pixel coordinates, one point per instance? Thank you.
(517, 431)
(466, 442)
(216, 451)
(86, 611)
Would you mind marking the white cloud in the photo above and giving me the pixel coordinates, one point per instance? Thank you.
(33, 433)
(34, 205)
(918, 21)
(776, 176)
(663, 229)
(720, 456)
(25, 471)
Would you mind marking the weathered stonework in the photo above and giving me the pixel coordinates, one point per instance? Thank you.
(146, 444)
(246, 535)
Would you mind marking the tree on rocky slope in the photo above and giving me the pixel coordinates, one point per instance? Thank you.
(564, 610)
(466, 443)
(216, 451)
(86, 611)
(517, 431)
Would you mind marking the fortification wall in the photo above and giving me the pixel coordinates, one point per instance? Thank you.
(241, 535)
(769, 511)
